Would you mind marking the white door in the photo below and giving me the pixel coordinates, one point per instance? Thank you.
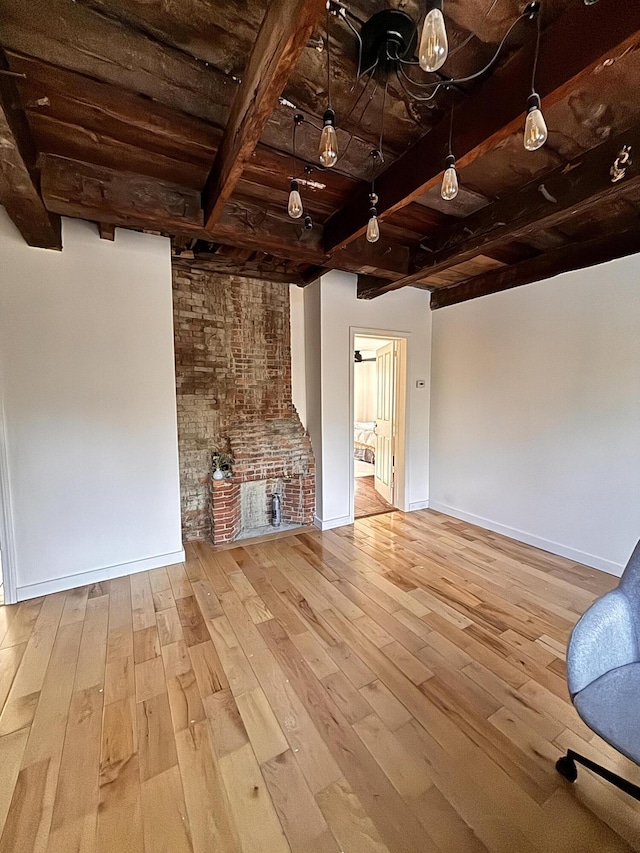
(385, 420)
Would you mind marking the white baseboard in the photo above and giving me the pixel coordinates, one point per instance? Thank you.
(330, 523)
(34, 590)
(591, 560)
(414, 505)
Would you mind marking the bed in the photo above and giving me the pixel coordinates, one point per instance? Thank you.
(364, 441)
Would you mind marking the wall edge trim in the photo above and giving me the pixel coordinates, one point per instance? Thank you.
(330, 523)
(415, 505)
(119, 570)
(558, 548)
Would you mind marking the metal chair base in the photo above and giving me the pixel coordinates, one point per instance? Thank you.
(566, 767)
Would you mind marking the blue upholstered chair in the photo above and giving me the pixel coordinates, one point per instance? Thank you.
(603, 673)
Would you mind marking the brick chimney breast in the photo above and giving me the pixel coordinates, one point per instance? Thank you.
(233, 380)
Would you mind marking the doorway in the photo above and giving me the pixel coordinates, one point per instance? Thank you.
(7, 549)
(378, 423)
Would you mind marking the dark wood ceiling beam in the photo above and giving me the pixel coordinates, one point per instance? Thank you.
(129, 200)
(574, 43)
(104, 195)
(251, 226)
(575, 256)
(541, 204)
(282, 37)
(19, 178)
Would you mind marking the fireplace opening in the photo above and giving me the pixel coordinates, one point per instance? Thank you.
(270, 456)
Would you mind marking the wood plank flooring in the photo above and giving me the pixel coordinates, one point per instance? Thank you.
(366, 500)
(393, 686)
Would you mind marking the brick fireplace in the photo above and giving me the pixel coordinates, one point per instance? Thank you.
(271, 456)
(233, 376)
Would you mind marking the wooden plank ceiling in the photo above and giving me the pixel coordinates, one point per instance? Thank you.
(177, 118)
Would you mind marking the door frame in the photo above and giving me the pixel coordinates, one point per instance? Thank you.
(7, 534)
(401, 473)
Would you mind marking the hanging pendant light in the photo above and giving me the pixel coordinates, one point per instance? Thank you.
(328, 149)
(294, 208)
(373, 226)
(449, 188)
(434, 45)
(535, 127)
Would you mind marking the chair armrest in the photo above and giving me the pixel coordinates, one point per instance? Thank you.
(603, 639)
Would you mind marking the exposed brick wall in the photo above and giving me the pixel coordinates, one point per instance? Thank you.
(233, 372)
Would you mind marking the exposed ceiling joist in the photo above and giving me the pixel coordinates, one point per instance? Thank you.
(128, 200)
(19, 180)
(577, 40)
(285, 30)
(118, 198)
(68, 35)
(541, 204)
(615, 243)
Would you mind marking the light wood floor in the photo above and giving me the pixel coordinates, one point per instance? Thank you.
(366, 500)
(393, 686)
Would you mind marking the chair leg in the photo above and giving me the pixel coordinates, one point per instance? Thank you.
(566, 767)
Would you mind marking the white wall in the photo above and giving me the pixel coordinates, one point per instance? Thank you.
(331, 312)
(535, 413)
(313, 377)
(298, 369)
(88, 388)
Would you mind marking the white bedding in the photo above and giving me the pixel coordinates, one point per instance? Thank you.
(364, 434)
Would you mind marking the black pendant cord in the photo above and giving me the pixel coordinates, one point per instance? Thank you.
(328, 61)
(359, 37)
(352, 136)
(422, 98)
(296, 122)
(374, 155)
(377, 154)
(384, 103)
(455, 81)
(537, 53)
(453, 106)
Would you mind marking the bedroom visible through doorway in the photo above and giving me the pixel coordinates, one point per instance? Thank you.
(375, 380)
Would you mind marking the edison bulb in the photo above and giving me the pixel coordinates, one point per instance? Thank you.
(328, 150)
(535, 130)
(294, 208)
(434, 46)
(449, 187)
(373, 230)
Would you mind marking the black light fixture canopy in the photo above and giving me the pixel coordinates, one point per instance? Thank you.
(387, 37)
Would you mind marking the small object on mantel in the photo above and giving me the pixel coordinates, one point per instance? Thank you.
(276, 510)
